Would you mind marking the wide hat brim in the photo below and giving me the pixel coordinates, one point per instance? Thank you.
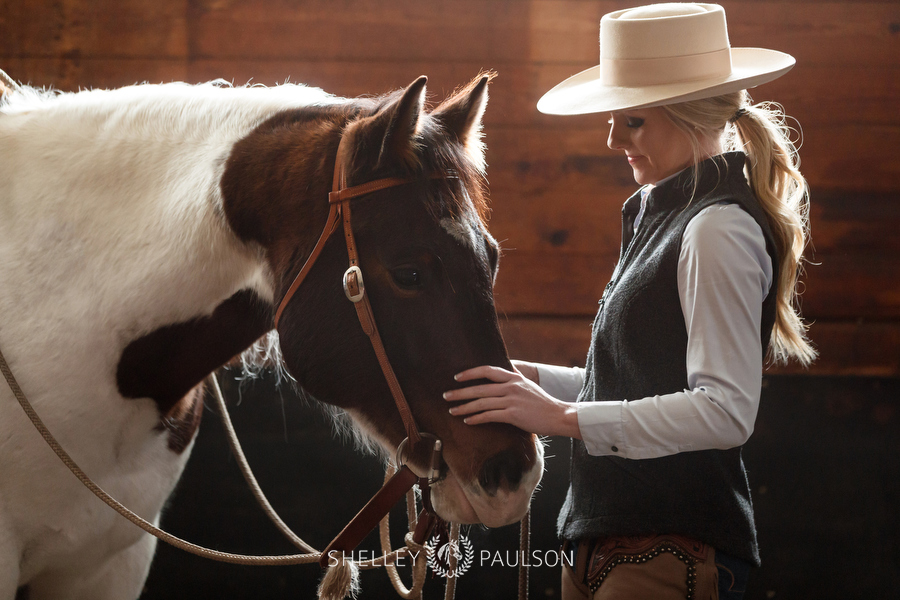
(586, 93)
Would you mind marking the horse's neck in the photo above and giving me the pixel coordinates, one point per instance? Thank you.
(126, 183)
(111, 229)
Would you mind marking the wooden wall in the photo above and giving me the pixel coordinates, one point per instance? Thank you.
(556, 188)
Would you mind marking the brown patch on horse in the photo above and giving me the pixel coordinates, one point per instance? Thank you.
(183, 420)
(168, 364)
(274, 162)
(276, 189)
(394, 134)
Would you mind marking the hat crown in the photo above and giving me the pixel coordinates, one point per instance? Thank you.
(663, 54)
(663, 30)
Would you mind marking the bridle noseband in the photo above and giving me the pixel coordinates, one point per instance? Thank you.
(354, 288)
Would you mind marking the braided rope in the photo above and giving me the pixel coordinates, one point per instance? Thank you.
(420, 564)
(228, 557)
(247, 472)
(388, 559)
(524, 552)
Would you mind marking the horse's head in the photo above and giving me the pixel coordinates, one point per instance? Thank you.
(428, 264)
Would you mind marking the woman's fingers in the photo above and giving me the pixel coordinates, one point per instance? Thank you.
(499, 376)
(488, 416)
(474, 391)
(512, 398)
(479, 405)
(485, 372)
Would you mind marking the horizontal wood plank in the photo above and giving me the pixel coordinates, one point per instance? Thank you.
(94, 29)
(578, 220)
(842, 156)
(868, 95)
(834, 33)
(556, 189)
(70, 75)
(863, 226)
(852, 348)
(509, 30)
(838, 286)
(562, 31)
(363, 30)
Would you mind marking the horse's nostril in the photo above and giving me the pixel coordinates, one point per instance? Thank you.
(503, 469)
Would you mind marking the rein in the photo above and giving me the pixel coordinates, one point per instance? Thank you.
(311, 555)
(354, 287)
(404, 479)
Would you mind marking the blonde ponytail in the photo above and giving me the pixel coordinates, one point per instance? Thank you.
(773, 172)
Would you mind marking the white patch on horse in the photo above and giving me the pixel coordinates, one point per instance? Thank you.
(462, 231)
(110, 227)
(469, 231)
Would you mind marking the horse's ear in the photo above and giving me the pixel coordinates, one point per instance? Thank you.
(403, 125)
(462, 113)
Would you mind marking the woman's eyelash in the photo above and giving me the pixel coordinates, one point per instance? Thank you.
(632, 122)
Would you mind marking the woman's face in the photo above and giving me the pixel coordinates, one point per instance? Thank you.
(655, 148)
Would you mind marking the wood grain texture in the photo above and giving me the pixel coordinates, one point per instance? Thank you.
(556, 188)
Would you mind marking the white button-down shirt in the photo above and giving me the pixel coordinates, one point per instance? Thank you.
(724, 274)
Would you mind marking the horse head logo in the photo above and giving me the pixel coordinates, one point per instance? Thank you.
(448, 557)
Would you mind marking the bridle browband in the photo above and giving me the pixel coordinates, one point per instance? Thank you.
(354, 288)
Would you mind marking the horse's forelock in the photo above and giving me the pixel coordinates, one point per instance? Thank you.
(437, 151)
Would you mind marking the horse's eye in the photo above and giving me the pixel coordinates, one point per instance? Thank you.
(407, 277)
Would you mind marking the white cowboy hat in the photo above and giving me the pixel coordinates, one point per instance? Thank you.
(663, 54)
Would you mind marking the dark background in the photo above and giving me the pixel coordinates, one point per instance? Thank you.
(823, 466)
(823, 460)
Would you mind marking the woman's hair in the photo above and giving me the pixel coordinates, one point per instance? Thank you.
(760, 131)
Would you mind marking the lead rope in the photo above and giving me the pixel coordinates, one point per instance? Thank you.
(312, 556)
(524, 553)
(389, 557)
(150, 528)
(417, 551)
(247, 472)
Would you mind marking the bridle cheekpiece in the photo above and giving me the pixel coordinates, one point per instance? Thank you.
(354, 288)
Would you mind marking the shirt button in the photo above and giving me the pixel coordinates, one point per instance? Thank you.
(615, 448)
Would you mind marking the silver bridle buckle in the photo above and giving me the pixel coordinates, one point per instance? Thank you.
(435, 466)
(354, 288)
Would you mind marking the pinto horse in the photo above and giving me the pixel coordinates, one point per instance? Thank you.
(147, 235)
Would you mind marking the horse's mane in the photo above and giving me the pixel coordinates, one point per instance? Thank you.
(150, 104)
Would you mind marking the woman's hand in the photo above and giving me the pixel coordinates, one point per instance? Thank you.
(527, 369)
(515, 399)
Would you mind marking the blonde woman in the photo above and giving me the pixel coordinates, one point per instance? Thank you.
(659, 503)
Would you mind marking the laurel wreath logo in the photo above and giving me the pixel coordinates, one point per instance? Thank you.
(439, 556)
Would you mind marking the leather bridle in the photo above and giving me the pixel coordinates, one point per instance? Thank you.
(354, 288)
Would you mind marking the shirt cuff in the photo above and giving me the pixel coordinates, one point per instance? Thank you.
(600, 424)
